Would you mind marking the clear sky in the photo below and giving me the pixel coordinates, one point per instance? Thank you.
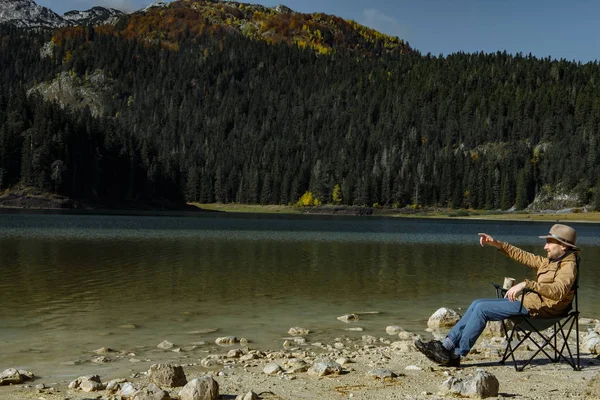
(556, 28)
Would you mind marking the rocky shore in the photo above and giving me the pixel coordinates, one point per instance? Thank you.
(385, 366)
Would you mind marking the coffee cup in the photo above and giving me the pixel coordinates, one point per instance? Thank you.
(508, 283)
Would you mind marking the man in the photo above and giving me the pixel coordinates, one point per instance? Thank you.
(550, 294)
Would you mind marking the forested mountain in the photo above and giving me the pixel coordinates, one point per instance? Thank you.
(197, 108)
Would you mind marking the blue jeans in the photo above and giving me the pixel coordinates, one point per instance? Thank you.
(465, 333)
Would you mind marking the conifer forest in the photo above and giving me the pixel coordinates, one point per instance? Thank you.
(208, 115)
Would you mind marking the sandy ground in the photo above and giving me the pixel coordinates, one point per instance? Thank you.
(541, 380)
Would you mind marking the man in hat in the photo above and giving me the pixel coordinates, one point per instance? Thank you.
(551, 294)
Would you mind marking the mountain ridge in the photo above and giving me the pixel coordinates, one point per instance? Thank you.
(28, 14)
(167, 22)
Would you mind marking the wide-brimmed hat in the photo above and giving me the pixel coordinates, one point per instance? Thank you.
(563, 234)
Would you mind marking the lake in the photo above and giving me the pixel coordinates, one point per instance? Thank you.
(73, 283)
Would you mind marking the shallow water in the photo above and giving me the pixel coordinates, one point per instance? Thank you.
(73, 283)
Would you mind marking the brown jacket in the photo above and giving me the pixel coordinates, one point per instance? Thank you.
(554, 288)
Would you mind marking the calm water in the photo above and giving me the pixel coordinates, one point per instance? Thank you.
(71, 284)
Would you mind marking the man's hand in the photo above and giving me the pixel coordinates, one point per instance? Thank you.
(484, 239)
(514, 291)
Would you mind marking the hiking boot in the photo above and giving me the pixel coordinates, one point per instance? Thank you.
(435, 351)
(454, 362)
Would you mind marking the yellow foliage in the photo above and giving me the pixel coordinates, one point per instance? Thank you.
(307, 199)
(336, 195)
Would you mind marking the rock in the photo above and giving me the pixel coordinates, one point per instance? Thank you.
(12, 376)
(382, 374)
(403, 346)
(413, 368)
(165, 345)
(299, 341)
(344, 361)
(235, 353)
(296, 365)
(203, 331)
(167, 375)
(394, 330)
(588, 321)
(591, 342)
(494, 328)
(226, 341)
(348, 318)
(323, 368)
(89, 386)
(404, 335)
(248, 396)
(297, 331)
(128, 389)
(211, 361)
(248, 357)
(368, 339)
(354, 329)
(151, 392)
(204, 388)
(442, 318)
(76, 384)
(103, 350)
(272, 369)
(114, 384)
(482, 385)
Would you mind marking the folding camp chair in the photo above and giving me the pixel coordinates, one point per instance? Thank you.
(527, 326)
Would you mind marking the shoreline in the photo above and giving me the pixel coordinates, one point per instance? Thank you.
(484, 215)
(32, 200)
(365, 363)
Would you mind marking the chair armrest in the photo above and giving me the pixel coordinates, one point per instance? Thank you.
(500, 291)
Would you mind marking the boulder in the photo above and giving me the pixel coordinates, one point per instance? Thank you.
(204, 388)
(167, 375)
(13, 376)
(482, 385)
(323, 368)
(443, 318)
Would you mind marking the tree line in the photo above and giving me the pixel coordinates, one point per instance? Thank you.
(223, 118)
